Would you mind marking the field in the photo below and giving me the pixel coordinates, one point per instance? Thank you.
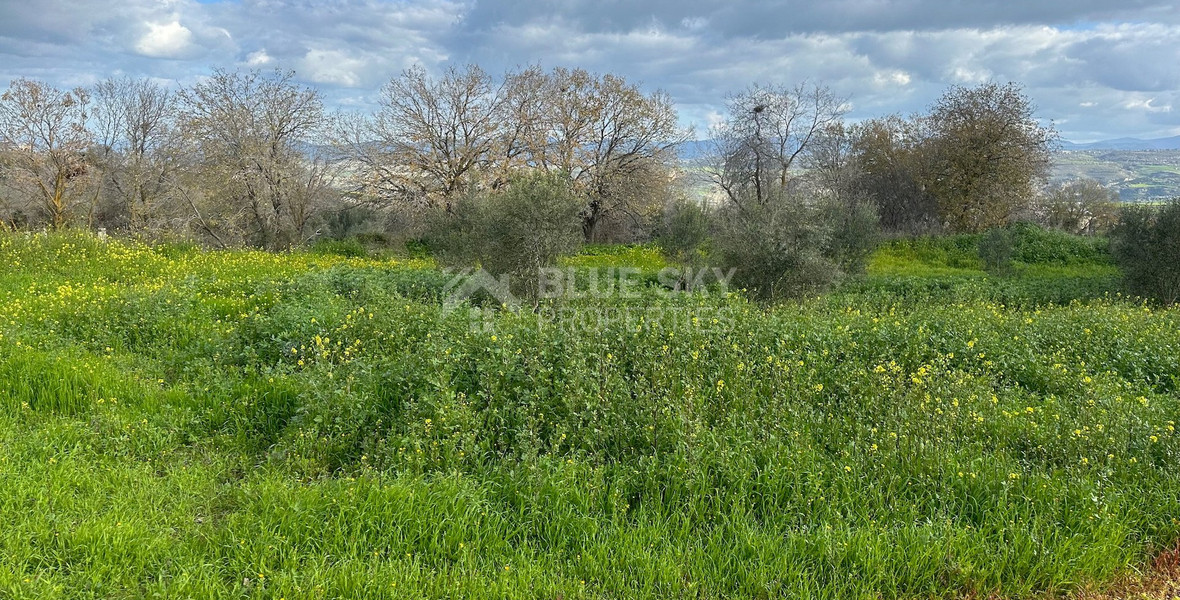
(1137, 175)
(181, 423)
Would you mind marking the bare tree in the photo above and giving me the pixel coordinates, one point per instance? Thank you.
(768, 130)
(615, 143)
(432, 139)
(1082, 206)
(252, 133)
(134, 123)
(44, 137)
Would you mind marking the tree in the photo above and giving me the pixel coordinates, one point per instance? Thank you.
(684, 234)
(515, 231)
(616, 143)
(44, 138)
(431, 139)
(1082, 206)
(434, 140)
(779, 247)
(987, 155)
(1146, 245)
(768, 131)
(136, 136)
(251, 133)
(889, 157)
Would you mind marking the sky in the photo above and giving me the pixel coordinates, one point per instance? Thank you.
(1095, 69)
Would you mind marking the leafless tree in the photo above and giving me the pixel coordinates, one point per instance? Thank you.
(615, 143)
(136, 143)
(768, 130)
(44, 139)
(1083, 206)
(434, 140)
(251, 133)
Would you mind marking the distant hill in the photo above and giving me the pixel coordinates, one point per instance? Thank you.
(1137, 175)
(1126, 143)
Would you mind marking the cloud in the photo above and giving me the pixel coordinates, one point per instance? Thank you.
(165, 40)
(332, 67)
(1148, 105)
(258, 58)
(1097, 68)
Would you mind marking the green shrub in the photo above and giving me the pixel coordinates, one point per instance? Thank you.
(780, 250)
(684, 234)
(1146, 245)
(856, 232)
(1034, 245)
(515, 232)
(995, 251)
(350, 247)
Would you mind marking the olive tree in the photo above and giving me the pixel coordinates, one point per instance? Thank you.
(1146, 245)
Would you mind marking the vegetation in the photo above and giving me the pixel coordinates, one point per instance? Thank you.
(973, 163)
(979, 415)
(179, 422)
(514, 233)
(1146, 244)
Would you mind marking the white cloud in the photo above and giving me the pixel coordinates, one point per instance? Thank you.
(332, 67)
(1147, 105)
(165, 40)
(891, 78)
(258, 58)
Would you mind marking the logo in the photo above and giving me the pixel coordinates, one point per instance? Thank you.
(465, 284)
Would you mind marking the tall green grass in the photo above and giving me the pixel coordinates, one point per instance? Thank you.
(179, 423)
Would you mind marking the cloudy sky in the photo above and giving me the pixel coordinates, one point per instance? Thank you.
(1097, 68)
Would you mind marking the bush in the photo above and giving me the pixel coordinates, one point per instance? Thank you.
(781, 249)
(515, 232)
(995, 251)
(349, 248)
(856, 231)
(1034, 245)
(1146, 245)
(684, 233)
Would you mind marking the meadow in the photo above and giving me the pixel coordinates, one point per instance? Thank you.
(183, 423)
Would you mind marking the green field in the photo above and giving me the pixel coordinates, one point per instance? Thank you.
(1144, 176)
(180, 423)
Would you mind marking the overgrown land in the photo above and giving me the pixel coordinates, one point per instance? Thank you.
(179, 423)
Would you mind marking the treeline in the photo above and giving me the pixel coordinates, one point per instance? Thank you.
(253, 158)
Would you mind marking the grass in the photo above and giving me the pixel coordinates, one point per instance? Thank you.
(179, 423)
